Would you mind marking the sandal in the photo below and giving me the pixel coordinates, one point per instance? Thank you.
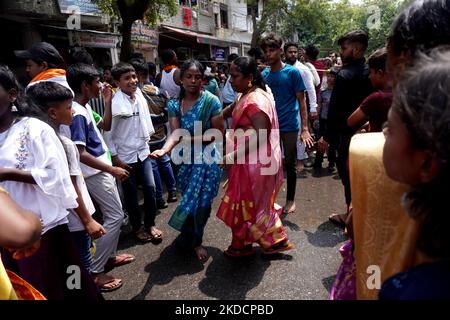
(155, 233)
(279, 247)
(239, 253)
(338, 219)
(119, 260)
(143, 236)
(108, 284)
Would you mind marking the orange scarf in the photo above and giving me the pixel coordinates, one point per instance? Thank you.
(49, 73)
(169, 68)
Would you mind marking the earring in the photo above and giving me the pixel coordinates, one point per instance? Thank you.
(13, 108)
(250, 84)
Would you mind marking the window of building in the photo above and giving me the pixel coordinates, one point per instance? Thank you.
(224, 16)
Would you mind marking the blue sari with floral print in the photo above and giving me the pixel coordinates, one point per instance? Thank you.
(198, 180)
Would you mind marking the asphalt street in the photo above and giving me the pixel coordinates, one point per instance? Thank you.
(162, 272)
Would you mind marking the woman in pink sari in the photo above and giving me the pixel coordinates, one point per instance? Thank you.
(255, 174)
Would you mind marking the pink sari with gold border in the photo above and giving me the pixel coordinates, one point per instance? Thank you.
(248, 206)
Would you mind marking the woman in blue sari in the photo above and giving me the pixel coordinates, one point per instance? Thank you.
(198, 177)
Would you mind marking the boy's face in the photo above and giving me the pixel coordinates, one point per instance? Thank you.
(376, 78)
(62, 113)
(33, 69)
(107, 76)
(348, 51)
(273, 55)
(128, 82)
(94, 88)
(291, 54)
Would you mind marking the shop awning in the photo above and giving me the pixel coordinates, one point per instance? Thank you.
(203, 38)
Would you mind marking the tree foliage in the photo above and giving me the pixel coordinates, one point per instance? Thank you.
(322, 22)
(131, 10)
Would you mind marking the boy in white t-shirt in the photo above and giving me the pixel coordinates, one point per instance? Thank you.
(56, 101)
(98, 170)
(128, 140)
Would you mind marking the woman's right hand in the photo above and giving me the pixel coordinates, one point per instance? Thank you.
(157, 154)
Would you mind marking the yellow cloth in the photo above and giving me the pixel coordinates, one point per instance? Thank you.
(384, 234)
(6, 289)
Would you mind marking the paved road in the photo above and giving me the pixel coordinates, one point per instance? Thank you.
(306, 272)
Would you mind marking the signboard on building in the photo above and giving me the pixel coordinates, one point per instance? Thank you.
(86, 7)
(143, 35)
(219, 54)
(93, 40)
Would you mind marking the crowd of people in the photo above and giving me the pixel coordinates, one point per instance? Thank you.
(75, 142)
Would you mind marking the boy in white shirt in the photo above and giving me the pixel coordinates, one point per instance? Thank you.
(98, 170)
(128, 142)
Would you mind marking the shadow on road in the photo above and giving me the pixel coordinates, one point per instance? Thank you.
(228, 278)
(172, 263)
(326, 235)
(292, 226)
(328, 282)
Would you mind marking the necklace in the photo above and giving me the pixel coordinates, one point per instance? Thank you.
(183, 105)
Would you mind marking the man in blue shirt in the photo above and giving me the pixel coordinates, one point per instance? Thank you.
(288, 89)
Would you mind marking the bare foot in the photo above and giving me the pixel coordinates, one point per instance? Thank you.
(201, 253)
(289, 207)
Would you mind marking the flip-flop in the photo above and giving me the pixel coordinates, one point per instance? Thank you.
(239, 253)
(280, 247)
(338, 220)
(285, 212)
(104, 288)
(155, 237)
(119, 260)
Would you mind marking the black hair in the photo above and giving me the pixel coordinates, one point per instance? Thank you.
(121, 68)
(168, 56)
(137, 56)
(79, 72)
(356, 36)
(107, 68)
(140, 66)
(271, 41)
(9, 81)
(422, 101)
(232, 57)
(289, 44)
(421, 26)
(377, 59)
(151, 67)
(312, 52)
(25, 106)
(255, 53)
(185, 67)
(203, 59)
(81, 56)
(247, 66)
(48, 94)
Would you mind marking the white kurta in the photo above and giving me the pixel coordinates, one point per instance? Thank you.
(32, 145)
